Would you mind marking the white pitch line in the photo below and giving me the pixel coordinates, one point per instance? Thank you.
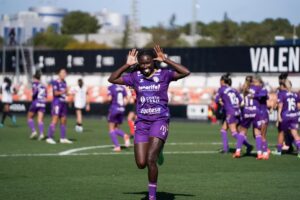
(72, 151)
(101, 154)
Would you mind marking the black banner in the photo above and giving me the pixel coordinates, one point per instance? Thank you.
(216, 59)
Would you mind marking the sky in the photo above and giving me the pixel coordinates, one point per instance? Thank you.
(153, 12)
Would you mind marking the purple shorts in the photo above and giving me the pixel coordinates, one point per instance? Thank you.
(59, 108)
(263, 119)
(145, 129)
(37, 107)
(115, 117)
(289, 124)
(230, 119)
(250, 119)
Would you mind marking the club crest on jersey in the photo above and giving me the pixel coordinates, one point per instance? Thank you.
(155, 79)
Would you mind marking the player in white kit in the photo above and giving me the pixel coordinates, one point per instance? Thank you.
(81, 102)
(7, 91)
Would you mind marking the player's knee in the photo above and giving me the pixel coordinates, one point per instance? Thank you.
(141, 164)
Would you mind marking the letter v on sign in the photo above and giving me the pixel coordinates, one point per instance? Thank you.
(254, 55)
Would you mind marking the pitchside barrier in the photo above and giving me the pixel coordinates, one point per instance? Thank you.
(193, 112)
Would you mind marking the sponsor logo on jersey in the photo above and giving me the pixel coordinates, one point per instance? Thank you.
(149, 87)
(150, 111)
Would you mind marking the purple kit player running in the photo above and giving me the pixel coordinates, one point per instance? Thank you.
(151, 85)
(38, 106)
(117, 95)
(59, 108)
(288, 109)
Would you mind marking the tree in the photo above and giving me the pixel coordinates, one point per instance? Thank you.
(78, 22)
(51, 39)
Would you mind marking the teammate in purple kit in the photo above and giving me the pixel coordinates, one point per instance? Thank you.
(117, 95)
(285, 139)
(231, 100)
(59, 108)
(37, 107)
(261, 96)
(288, 108)
(151, 85)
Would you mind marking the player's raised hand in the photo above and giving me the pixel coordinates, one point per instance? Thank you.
(159, 53)
(132, 57)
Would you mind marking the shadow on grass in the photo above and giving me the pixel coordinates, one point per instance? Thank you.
(160, 195)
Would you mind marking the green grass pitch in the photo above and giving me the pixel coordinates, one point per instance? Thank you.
(192, 170)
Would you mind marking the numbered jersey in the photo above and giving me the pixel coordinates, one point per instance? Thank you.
(118, 93)
(39, 92)
(59, 86)
(289, 102)
(251, 105)
(231, 100)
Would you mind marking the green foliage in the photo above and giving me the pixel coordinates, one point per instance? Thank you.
(75, 45)
(50, 39)
(226, 32)
(164, 37)
(78, 22)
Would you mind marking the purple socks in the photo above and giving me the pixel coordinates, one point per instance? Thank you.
(62, 131)
(258, 141)
(152, 191)
(114, 139)
(41, 128)
(265, 146)
(30, 123)
(51, 131)
(240, 141)
(279, 147)
(119, 132)
(224, 140)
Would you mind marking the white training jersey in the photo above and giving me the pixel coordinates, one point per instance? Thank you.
(7, 93)
(80, 96)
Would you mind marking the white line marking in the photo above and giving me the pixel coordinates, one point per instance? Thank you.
(71, 151)
(102, 154)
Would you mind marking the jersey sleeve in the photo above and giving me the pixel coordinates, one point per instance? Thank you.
(218, 96)
(170, 75)
(128, 79)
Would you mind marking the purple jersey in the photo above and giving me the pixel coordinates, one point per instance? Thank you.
(39, 92)
(152, 93)
(251, 105)
(117, 92)
(289, 102)
(59, 86)
(231, 100)
(39, 95)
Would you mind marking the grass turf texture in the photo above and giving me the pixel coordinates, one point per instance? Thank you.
(200, 173)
